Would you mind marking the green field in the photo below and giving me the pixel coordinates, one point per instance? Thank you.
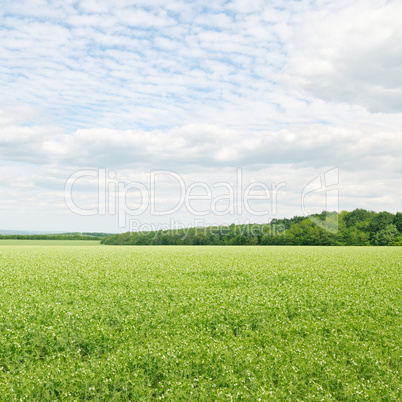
(200, 323)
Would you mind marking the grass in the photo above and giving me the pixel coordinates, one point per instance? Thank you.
(200, 323)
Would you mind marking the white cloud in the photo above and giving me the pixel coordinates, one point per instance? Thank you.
(35, 195)
(352, 55)
(197, 146)
(94, 64)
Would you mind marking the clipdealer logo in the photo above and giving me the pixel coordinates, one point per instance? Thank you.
(219, 199)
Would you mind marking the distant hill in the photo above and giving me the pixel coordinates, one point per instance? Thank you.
(24, 232)
(356, 228)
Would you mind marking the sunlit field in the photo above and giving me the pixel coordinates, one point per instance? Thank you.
(200, 323)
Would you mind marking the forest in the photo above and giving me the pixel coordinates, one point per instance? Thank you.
(356, 228)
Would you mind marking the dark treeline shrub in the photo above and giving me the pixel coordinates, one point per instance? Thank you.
(67, 236)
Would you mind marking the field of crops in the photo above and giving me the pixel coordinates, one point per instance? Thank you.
(200, 323)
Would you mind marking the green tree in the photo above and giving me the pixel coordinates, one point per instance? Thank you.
(381, 221)
(386, 236)
(358, 215)
(398, 221)
(355, 237)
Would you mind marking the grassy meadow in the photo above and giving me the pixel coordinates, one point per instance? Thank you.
(200, 323)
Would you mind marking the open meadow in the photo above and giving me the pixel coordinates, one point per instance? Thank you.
(200, 323)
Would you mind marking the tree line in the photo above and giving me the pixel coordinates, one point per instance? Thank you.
(357, 228)
(64, 236)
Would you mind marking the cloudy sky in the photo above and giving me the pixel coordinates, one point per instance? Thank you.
(275, 92)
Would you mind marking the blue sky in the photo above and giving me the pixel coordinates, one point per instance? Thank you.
(284, 90)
